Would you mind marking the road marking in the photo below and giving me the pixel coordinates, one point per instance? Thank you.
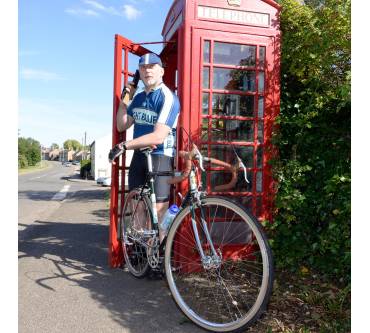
(62, 193)
(38, 177)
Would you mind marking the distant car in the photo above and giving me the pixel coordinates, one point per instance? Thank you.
(76, 162)
(67, 164)
(104, 181)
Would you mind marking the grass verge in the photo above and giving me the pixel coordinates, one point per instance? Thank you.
(39, 166)
(306, 303)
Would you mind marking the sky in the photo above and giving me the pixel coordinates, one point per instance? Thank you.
(65, 62)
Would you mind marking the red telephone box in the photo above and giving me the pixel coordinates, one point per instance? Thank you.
(222, 57)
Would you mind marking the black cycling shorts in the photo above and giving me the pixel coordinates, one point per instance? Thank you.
(139, 169)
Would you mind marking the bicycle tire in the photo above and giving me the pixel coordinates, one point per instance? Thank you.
(234, 295)
(134, 252)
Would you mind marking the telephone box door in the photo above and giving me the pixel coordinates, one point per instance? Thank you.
(126, 55)
(236, 88)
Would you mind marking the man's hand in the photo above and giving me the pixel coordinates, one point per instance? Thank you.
(128, 93)
(115, 152)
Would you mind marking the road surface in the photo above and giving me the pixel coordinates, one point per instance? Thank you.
(64, 281)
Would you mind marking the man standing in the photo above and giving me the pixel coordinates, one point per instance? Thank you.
(154, 113)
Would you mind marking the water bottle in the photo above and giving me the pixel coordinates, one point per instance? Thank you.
(168, 217)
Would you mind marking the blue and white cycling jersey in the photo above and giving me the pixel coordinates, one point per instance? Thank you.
(160, 105)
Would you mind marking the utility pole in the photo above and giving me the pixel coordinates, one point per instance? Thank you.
(85, 148)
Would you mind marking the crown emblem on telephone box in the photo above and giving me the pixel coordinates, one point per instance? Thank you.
(234, 2)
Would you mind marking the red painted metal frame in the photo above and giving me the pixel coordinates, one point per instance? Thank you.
(184, 32)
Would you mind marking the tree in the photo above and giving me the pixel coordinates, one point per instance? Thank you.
(54, 146)
(71, 144)
(29, 149)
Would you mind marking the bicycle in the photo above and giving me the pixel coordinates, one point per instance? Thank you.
(216, 257)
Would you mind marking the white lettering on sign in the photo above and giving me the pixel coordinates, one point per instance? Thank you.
(233, 15)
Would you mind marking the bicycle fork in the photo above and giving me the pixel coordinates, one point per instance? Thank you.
(208, 261)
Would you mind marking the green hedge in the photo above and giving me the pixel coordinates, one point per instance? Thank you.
(85, 168)
(311, 226)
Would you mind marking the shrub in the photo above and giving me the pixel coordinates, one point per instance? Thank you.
(85, 168)
(22, 161)
(312, 220)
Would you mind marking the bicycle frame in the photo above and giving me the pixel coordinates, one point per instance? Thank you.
(192, 198)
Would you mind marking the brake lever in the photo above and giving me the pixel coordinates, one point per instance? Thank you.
(241, 165)
(199, 156)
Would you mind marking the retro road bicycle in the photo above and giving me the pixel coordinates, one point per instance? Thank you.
(216, 257)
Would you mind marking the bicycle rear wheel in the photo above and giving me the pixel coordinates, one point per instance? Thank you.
(136, 222)
(226, 295)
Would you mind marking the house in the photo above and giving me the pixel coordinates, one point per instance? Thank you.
(78, 156)
(66, 155)
(53, 155)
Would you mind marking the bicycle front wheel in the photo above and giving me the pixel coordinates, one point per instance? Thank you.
(228, 291)
(135, 225)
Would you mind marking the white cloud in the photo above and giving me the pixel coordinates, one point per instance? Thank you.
(98, 6)
(82, 12)
(95, 4)
(36, 74)
(131, 13)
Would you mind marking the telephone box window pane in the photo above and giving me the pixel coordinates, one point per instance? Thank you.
(205, 129)
(234, 54)
(262, 55)
(218, 129)
(206, 77)
(232, 105)
(234, 79)
(232, 130)
(222, 152)
(260, 132)
(259, 157)
(205, 103)
(206, 47)
(203, 150)
(260, 106)
(220, 179)
(259, 181)
(261, 82)
(246, 155)
(226, 153)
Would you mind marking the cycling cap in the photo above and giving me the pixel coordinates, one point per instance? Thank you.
(150, 58)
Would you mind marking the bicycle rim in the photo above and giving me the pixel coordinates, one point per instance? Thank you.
(136, 217)
(231, 295)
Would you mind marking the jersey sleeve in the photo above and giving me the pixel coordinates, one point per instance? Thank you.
(170, 109)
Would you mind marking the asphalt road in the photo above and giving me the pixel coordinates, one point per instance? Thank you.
(64, 281)
(40, 193)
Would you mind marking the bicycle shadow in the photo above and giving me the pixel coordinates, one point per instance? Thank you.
(78, 255)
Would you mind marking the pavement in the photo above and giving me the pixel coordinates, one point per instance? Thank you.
(66, 285)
